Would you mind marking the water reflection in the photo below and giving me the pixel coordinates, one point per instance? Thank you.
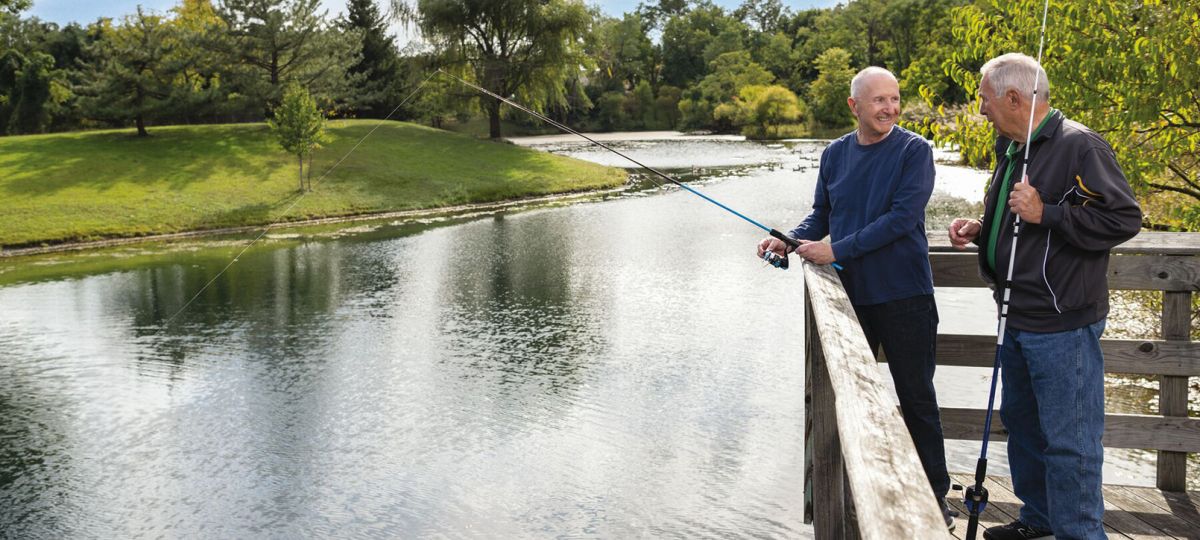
(548, 373)
(622, 368)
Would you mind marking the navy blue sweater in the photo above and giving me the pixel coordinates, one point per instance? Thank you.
(870, 200)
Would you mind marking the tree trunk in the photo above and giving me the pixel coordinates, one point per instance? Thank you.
(141, 126)
(309, 176)
(493, 107)
(300, 158)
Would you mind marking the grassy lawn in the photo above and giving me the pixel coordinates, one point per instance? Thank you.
(104, 184)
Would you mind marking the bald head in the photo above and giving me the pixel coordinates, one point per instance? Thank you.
(861, 80)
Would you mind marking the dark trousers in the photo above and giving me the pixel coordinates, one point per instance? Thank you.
(907, 330)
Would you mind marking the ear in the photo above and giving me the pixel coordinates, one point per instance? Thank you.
(1013, 97)
(850, 103)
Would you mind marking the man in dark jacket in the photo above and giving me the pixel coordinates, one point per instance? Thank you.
(1074, 205)
(870, 200)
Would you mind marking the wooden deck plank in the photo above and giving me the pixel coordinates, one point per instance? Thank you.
(1170, 526)
(1137, 513)
(1185, 506)
(1005, 483)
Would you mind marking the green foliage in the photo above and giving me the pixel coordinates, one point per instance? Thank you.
(1125, 69)
(622, 52)
(610, 111)
(14, 6)
(298, 125)
(827, 95)
(758, 109)
(780, 58)
(35, 90)
(685, 39)
(277, 41)
(666, 106)
(33, 95)
(378, 67)
(130, 79)
(206, 85)
(768, 16)
(526, 48)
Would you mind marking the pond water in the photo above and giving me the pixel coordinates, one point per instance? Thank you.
(621, 367)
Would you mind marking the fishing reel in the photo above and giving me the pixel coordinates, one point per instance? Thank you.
(775, 259)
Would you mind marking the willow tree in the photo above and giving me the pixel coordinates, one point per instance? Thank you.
(1127, 69)
(526, 48)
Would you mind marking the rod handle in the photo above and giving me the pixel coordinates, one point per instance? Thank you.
(793, 244)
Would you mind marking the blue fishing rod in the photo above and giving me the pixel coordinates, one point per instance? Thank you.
(776, 260)
(975, 497)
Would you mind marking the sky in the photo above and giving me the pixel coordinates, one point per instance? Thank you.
(85, 11)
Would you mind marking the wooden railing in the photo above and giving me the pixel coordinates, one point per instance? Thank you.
(862, 475)
(1168, 262)
(863, 478)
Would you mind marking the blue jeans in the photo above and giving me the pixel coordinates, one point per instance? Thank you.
(1053, 407)
(907, 329)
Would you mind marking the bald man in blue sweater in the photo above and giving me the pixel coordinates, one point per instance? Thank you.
(870, 200)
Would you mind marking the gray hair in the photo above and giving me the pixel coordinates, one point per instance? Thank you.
(1016, 71)
(856, 84)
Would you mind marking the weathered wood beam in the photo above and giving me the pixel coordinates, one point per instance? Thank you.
(886, 481)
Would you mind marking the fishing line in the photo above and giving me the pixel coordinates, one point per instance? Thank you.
(976, 496)
(295, 202)
(770, 257)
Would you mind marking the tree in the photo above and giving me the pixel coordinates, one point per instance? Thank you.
(758, 108)
(828, 93)
(14, 6)
(685, 39)
(1125, 69)
(299, 126)
(129, 78)
(288, 40)
(666, 105)
(768, 16)
(623, 53)
(32, 95)
(378, 66)
(203, 83)
(729, 73)
(657, 14)
(526, 48)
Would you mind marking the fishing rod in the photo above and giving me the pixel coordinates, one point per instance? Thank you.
(776, 260)
(975, 497)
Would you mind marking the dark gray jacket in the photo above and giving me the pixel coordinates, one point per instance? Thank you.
(1060, 278)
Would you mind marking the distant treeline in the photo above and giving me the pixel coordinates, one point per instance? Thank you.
(1127, 69)
(672, 64)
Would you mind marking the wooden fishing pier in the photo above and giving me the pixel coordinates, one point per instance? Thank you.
(863, 478)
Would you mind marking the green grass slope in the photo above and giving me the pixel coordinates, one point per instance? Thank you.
(106, 184)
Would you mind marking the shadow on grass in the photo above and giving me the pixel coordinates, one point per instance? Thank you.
(178, 156)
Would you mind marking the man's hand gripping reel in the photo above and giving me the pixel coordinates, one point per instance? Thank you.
(775, 259)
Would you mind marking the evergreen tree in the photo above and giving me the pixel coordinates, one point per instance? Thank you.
(378, 93)
(288, 40)
(32, 95)
(129, 78)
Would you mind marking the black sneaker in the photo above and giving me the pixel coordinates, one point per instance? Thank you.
(947, 514)
(1016, 530)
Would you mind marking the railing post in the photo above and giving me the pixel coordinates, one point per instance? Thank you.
(1173, 391)
(823, 448)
